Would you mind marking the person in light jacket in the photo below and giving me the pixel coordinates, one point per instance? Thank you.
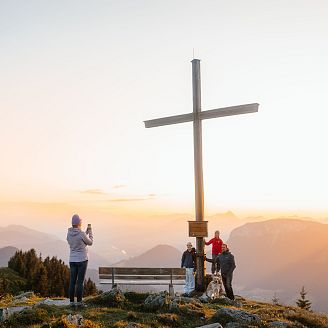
(188, 261)
(78, 241)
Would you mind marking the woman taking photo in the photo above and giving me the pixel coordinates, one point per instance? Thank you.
(78, 241)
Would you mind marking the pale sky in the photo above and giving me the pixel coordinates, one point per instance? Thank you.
(78, 78)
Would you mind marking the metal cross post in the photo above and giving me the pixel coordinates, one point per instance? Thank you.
(196, 117)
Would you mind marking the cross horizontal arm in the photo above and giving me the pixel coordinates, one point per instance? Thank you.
(169, 120)
(219, 112)
(229, 111)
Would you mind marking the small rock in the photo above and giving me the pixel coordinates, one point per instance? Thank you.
(76, 320)
(235, 325)
(22, 299)
(133, 325)
(212, 325)
(226, 315)
(26, 295)
(278, 324)
(49, 301)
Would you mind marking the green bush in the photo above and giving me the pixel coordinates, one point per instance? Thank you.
(137, 298)
(28, 317)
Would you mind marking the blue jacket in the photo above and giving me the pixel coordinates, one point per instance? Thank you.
(188, 259)
(226, 262)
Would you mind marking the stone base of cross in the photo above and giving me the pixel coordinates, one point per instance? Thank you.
(196, 117)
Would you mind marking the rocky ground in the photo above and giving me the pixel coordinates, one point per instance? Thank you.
(128, 310)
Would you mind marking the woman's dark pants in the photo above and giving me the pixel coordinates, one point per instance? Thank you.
(77, 276)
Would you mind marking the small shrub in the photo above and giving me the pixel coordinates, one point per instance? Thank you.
(136, 298)
(112, 298)
(28, 317)
(131, 315)
(63, 323)
(189, 310)
(309, 319)
(169, 319)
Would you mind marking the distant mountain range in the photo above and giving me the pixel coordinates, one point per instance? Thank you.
(5, 254)
(281, 256)
(273, 256)
(48, 245)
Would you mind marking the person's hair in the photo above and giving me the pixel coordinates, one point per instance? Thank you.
(217, 231)
(189, 244)
(226, 245)
(75, 225)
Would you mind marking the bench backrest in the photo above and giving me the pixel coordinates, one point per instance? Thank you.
(153, 276)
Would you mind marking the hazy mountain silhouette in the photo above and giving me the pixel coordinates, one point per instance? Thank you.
(159, 256)
(5, 254)
(48, 245)
(281, 256)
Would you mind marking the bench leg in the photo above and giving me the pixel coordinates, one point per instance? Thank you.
(171, 290)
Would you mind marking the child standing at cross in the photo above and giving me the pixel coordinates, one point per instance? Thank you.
(216, 249)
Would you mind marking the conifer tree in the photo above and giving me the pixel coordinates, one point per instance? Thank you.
(275, 299)
(89, 288)
(48, 277)
(302, 302)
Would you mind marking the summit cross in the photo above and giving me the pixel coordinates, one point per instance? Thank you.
(197, 116)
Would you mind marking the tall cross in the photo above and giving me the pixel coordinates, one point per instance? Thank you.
(196, 117)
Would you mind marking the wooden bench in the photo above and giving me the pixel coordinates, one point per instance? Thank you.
(142, 276)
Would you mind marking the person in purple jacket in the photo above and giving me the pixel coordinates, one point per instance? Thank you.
(78, 241)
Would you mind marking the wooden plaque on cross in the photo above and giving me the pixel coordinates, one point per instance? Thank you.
(198, 229)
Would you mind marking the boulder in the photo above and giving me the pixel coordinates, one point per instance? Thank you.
(5, 313)
(204, 298)
(226, 315)
(112, 298)
(157, 301)
(178, 304)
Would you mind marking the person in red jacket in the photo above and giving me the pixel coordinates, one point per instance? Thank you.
(216, 248)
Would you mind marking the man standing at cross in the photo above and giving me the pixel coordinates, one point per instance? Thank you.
(226, 263)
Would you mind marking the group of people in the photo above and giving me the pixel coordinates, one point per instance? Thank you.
(222, 260)
(78, 240)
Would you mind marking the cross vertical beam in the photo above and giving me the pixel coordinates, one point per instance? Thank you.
(198, 168)
(196, 116)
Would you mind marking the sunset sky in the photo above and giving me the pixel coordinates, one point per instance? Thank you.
(78, 78)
